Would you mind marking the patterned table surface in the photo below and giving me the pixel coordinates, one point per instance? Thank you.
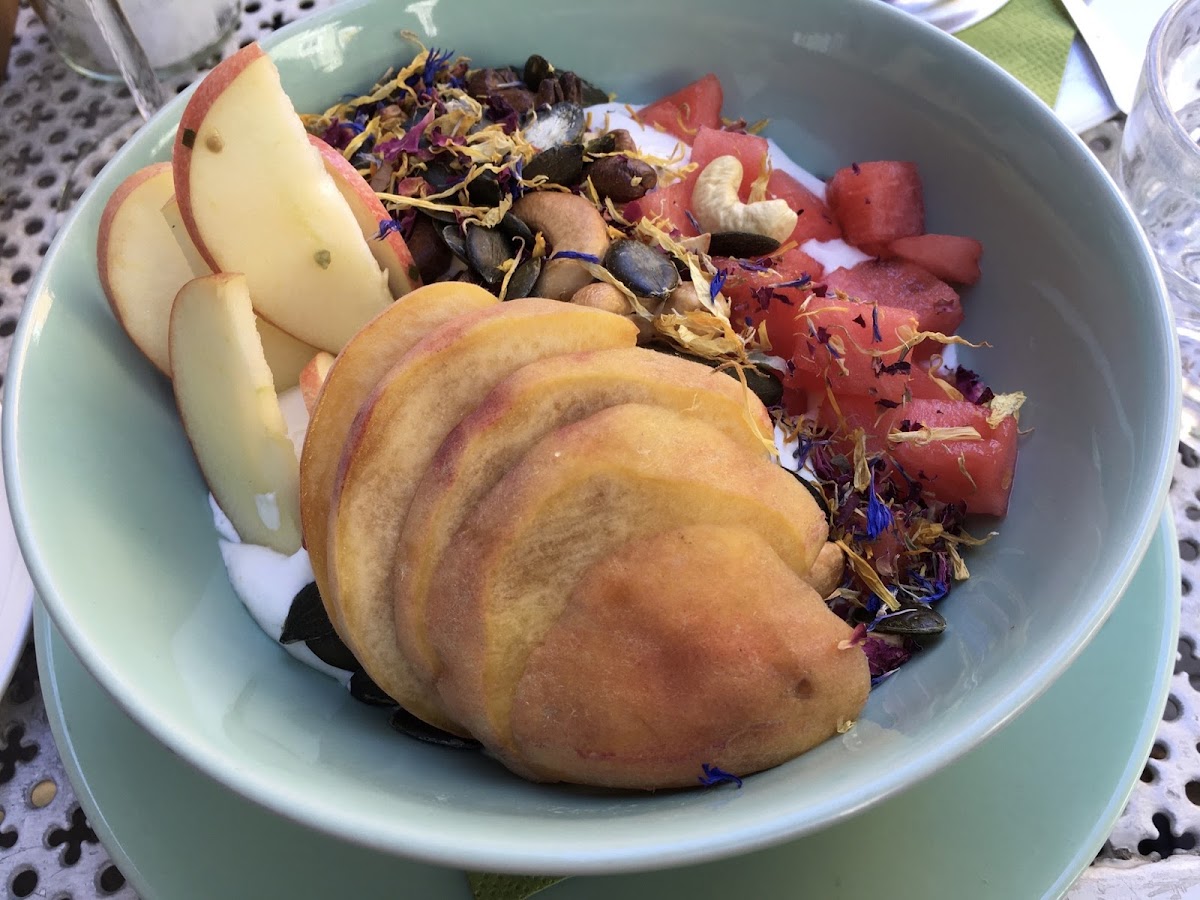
(59, 130)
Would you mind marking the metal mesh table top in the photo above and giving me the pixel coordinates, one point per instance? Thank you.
(60, 130)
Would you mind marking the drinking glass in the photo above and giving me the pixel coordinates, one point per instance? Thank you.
(1159, 164)
(175, 34)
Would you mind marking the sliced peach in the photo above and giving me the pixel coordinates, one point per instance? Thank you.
(395, 436)
(525, 407)
(352, 377)
(575, 498)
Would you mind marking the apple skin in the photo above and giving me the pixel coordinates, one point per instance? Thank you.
(255, 197)
(210, 88)
(390, 251)
(140, 294)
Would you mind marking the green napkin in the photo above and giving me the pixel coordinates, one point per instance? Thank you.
(1029, 38)
(508, 887)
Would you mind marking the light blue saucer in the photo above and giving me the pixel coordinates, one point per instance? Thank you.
(1019, 817)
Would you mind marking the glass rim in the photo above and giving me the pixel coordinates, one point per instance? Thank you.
(1154, 74)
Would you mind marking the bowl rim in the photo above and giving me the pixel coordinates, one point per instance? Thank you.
(416, 840)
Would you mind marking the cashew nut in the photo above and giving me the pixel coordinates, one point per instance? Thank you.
(717, 207)
(568, 222)
(683, 300)
(601, 295)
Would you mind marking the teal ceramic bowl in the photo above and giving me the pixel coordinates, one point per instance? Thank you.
(114, 521)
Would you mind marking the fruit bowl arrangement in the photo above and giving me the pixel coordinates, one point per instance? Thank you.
(656, 569)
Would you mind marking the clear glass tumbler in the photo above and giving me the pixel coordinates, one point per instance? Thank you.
(1159, 165)
(176, 34)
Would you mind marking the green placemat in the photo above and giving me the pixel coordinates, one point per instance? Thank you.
(508, 887)
(1029, 38)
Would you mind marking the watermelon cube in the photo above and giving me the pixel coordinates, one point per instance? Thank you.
(977, 472)
(877, 202)
(851, 348)
(750, 150)
(844, 414)
(670, 203)
(687, 110)
(903, 285)
(816, 222)
(949, 257)
(745, 287)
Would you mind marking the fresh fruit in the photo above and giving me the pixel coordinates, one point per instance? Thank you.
(576, 498)
(285, 354)
(359, 367)
(815, 220)
(877, 202)
(227, 402)
(946, 256)
(902, 285)
(664, 674)
(312, 378)
(951, 467)
(771, 289)
(749, 149)
(255, 197)
(389, 250)
(670, 203)
(395, 436)
(852, 348)
(688, 109)
(526, 406)
(174, 219)
(141, 266)
(977, 471)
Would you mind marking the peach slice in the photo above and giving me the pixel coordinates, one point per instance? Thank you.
(230, 412)
(256, 198)
(709, 650)
(395, 436)
(525, 407)
(141, 267)
(390, 250)
(575, 498)
(352, 377)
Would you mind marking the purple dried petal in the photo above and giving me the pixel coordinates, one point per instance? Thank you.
(884, 656)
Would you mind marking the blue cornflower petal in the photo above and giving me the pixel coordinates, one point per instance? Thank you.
(715, 775)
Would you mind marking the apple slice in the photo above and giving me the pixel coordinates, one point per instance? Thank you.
(141, 266)
(256, 198)
(170, 212)
(285, 354)
(227, 402)
(390, 250)
(395, 436)
(360, 366)
(313, 376)
(525, 407)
